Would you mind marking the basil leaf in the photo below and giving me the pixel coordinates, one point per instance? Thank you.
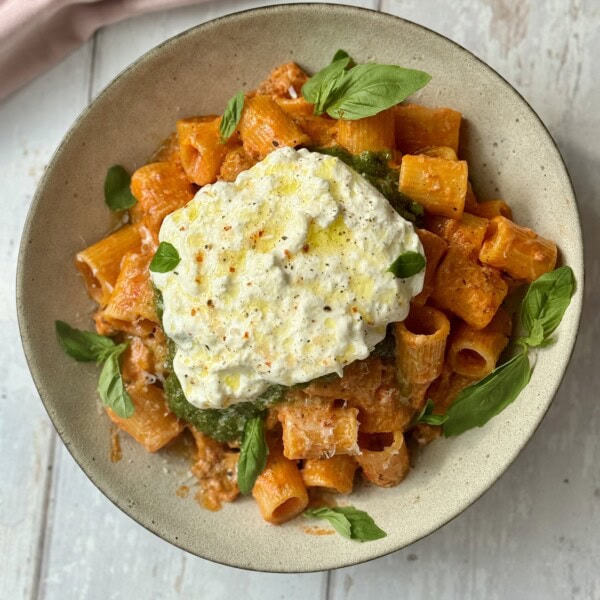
(83, 346)
(408, 264)
(231, 116)
(545, 304)
(253, 454)
(319, 87)
(339, 55)
(479, 402)
(366, 90)
(427, 417)
(349, 521)
(117, 193)
(165, 259)
(111, 387)
(338, 520)
(433, 419)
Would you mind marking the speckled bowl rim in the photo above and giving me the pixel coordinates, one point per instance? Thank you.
(138, 515)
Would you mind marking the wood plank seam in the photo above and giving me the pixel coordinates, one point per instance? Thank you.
(90, 93)
(45, 537)
(328, 586)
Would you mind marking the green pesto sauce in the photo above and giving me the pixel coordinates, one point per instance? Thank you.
(386, 348)
(374, 167)
(225, 424)
(222, 424)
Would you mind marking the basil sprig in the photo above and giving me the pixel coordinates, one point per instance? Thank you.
(479, 402)
(350, 522)
(231, 116)
(111, 387)
(320, 86)
(408, 264)
(543, 308)
(341, 54)
(253, 454)
(83, 346)
(361, 91)
(545, 304)
(86, 346)
(165, 259)
(117, 191)
(427, 417)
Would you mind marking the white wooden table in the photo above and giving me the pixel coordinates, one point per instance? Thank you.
(535, 534)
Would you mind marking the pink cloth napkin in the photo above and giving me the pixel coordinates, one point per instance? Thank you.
(36, 34)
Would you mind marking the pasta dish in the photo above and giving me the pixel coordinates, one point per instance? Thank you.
(309, 286)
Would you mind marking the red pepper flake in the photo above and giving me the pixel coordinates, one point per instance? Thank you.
(227, 227)
(246, 335)
(287, 254)
(354, 309)
(209, 303)
(199, 257)
(305, 248)
(232, 269)
(182, 228)
(268, 364)
(194, 311)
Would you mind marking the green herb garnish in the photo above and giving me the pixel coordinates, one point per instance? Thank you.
(348, 521)
(427, 417)
(545, 304)
(479, 402)
(111, 387)
(83, 346)
(231, 116)
(165, 259)
(117, 191)
(86, 346)
(361, 91)
(253, 454)
(407, 264)
(386, 348)
(319, 87)
(542, 310)
(340, 54)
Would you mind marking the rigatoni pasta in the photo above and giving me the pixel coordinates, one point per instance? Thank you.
(384, 458)
(100, 263)
(335, 474)
(467, 289)
(440, 185)
(360, 414)
(264, 126)
(372, 134)
(475, 352)
(200, 147)
(434, 247)
(279, 490)
(421, 344)
(419, 127)
(317, 428)
(517, 250)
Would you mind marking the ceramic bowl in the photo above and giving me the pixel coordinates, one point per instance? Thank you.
(511, 155)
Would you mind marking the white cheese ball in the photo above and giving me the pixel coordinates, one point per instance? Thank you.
(283, 277)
